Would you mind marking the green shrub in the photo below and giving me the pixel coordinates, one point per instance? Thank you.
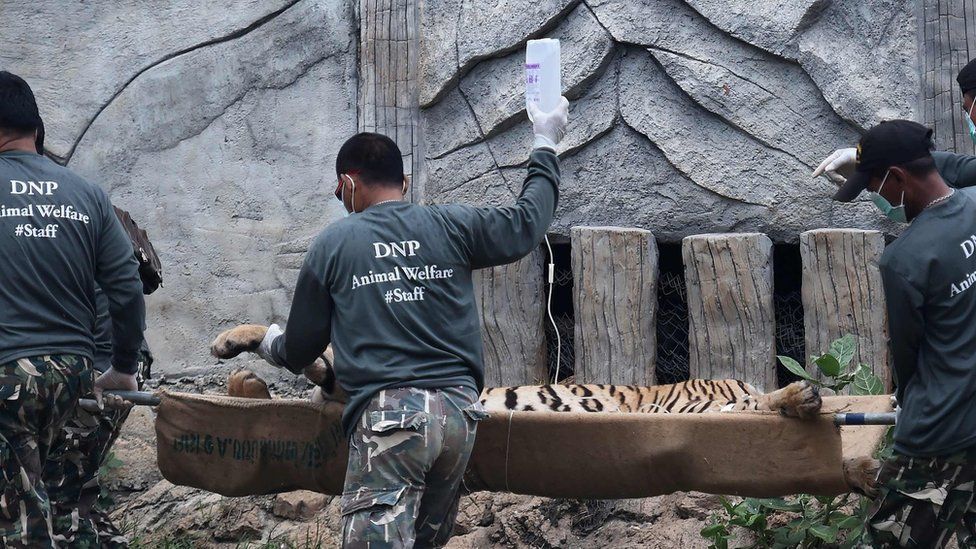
(805, 520)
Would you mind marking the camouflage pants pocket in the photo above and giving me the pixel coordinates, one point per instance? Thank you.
(924, 502)
(377, 519)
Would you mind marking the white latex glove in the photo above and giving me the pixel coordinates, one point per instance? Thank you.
(838, 166)
(549, 127)
(264, 350)
(114, 380)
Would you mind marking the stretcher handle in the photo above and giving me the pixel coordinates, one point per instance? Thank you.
(139, 398)
(877, 418)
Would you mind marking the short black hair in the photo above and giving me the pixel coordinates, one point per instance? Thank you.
(920, 167)
(375, 158)
(18, 109)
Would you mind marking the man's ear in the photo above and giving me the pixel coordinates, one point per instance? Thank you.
(406, 184)
(899, 176)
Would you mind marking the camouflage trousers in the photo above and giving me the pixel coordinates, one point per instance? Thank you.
(406, 460)
(71, 474)
(924, 501)
(36, 396)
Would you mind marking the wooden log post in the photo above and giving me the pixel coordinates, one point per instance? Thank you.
(615, 274)
(511, 300)
(843, 294)
(947, 32)
(389, 101)
(731, 324)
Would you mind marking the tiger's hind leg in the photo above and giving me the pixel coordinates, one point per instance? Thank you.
(799, 399)
(861, 474)
(247, 384)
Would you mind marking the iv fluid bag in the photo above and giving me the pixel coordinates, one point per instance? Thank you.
(542, 74)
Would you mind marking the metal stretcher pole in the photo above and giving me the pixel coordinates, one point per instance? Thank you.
(136, 397)
(885, 418)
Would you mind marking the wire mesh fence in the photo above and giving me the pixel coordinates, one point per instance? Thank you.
(672, 328)
(790, 339)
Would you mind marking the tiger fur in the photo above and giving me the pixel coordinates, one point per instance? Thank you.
(800, 399)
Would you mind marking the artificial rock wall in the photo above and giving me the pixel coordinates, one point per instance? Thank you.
(687, 116)
(216, 124)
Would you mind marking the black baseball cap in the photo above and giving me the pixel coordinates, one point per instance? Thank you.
(967, 77)
(890, 143)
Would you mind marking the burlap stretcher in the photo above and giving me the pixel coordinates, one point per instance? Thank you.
(238, 447)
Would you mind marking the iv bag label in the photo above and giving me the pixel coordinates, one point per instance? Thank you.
(533, 89)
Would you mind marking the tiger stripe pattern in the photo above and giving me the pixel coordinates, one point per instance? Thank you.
(800, 399)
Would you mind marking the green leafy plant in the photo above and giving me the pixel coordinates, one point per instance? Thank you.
(111, 463)
(805, 520)
(835, 367)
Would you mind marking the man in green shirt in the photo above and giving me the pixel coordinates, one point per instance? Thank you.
(928, 274)
(59, 239)
(392, 285)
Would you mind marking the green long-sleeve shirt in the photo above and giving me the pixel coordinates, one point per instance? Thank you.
(392, 286)
(958, 170)
(927, 273)
(59, 238)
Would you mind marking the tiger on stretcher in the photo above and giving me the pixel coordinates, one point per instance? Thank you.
(800, 399)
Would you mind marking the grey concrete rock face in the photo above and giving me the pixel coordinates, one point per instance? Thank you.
(78, 55)
(495, 89)
(458, 33)
(623, 176)
(769, 24)
(841, 52)
(716, 110)
(225, 156)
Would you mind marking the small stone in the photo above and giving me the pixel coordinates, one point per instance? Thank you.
(696, 506)
(299, 505)
(248, 527)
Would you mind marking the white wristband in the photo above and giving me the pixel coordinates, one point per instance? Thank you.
(264, 350)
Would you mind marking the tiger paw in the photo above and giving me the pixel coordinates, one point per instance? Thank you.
(801, 399)
(860, 473)
(246, 337)
(247, 384)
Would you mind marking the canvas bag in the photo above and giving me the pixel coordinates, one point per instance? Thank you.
(237, 447)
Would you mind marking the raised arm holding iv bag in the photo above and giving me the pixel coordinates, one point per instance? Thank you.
(548, 110)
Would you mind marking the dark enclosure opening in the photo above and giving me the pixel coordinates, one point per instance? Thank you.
(562, 311)
(672, 316)
(788, 308)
